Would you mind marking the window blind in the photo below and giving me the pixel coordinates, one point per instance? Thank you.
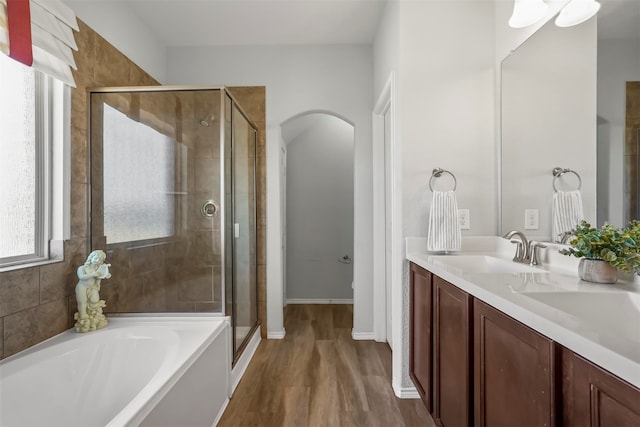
(51, 29)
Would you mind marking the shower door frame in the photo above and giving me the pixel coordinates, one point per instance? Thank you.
(224, 91)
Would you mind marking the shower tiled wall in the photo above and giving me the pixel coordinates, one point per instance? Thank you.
(37, 303)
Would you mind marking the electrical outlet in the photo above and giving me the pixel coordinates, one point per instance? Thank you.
(531, 219)
(463, 219)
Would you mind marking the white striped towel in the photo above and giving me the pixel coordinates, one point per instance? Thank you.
(444, 228)
(566, 213)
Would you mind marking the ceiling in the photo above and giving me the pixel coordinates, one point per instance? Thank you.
(257, 22)
(301, 22)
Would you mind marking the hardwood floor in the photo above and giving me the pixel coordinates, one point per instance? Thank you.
(319, 376)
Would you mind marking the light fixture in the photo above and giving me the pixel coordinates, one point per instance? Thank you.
(527, 12)
(576, 12)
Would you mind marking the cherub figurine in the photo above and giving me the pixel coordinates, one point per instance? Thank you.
(89, 316)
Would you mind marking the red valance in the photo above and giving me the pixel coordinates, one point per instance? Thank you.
(19, 22)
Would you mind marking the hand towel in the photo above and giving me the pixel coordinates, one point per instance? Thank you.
(444, 228)
(566, 213)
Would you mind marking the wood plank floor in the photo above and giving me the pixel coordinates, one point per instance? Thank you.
(319, 376)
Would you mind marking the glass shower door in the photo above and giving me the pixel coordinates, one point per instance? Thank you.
(244, 229)
(155, 189)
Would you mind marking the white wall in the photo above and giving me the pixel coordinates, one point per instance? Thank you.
(444, 68)
(618, 62)
(299, 79)
(548, 121)
(116, 22)
(319, 209)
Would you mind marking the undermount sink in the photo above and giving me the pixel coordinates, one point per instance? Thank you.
(482, 264)
(617, 310)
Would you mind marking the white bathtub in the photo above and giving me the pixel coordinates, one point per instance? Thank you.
(148, 371)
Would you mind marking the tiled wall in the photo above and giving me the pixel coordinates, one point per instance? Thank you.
(631, 148)
(37, 303)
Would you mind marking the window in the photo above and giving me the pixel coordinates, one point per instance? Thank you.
(31, 164)
(139, 168)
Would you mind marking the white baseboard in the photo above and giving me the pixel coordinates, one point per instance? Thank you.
(245, 358)
(220, 413)
(318, 301)
(406, 392)
(362, 336)
(278, 335)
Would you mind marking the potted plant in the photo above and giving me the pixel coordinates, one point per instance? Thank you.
(604, 250)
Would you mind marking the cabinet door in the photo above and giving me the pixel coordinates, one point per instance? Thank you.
(594, 397)
(420, 366)
(514, 372)
(452, 354)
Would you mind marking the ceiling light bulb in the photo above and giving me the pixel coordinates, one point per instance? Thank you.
(527, 12)
(576, 12)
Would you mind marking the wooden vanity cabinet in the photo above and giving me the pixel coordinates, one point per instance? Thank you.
(594, 397)
(474, 365)
(420, 347)
(451, 354)
(514, 372)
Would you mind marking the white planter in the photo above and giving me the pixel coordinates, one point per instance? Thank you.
(597, 271)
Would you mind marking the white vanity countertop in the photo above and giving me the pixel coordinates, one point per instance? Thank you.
(601, 328)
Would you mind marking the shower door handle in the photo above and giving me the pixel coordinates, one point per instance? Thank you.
(208, 209)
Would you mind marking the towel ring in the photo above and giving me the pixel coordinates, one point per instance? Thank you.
(437, 173)
(558, 172)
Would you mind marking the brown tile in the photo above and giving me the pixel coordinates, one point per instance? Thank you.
(1, 337)
(131, 295)
(154, 290)
(113, 291)
(79, 210)
(633, 99)
(207, 175)
(262, 255)
(208, 307)
(111, 66)
(58, 280)
(197, 285)
(261, 175)
(31, 326)
(79, 159)
(79, 100)
(261, 142)
(142, 259)
(19, 289)
(86, 55)
(138, 77)
(72, 310)
(251, 99)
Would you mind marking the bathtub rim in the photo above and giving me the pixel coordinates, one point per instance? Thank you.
(138, 408)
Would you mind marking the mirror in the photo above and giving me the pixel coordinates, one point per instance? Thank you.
(618, 111)
(563, 105)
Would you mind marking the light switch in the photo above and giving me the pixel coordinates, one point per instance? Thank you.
(531, 219)
(236, 230)
(463, 219)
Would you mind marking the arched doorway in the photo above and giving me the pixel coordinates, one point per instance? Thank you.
(317, 185)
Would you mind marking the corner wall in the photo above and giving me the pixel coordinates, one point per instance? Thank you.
(442, 54)
(336, 79)
(37, 303)
(119, 25)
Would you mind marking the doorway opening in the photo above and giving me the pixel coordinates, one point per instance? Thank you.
(317, 178)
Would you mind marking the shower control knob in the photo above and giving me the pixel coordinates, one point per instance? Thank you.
(208, 209)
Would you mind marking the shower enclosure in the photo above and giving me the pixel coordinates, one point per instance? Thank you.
(173, 202)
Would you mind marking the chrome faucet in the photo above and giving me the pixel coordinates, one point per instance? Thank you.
(534, 258)
(526, 251)
(565, 237)
(522, 246)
